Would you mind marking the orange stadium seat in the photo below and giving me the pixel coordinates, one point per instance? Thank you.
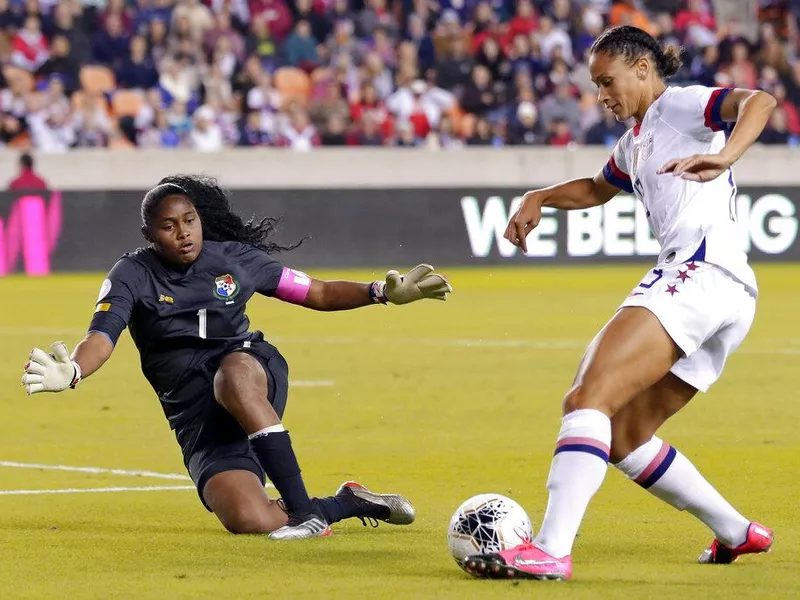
(126, 103)
(292, 83)
(97, 79)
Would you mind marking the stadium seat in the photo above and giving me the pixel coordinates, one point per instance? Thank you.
(292, 83)
(97, 79)
(467, 125)
(126, 103)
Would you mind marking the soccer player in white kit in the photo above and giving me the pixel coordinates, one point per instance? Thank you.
(672, 334)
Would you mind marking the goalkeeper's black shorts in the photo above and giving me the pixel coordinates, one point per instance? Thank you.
(213, 441)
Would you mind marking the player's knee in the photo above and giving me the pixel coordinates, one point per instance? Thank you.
(587, 395)
(246, 520)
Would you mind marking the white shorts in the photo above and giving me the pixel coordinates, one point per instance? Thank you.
(705, 311)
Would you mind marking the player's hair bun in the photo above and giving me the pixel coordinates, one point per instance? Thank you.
(631, 43)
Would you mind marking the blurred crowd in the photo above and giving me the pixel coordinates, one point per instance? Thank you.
(213, 74)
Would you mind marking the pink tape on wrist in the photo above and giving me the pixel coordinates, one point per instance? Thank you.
(293, 286)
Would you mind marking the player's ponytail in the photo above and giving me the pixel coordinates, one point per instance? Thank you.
(220, 223)
(631, 43)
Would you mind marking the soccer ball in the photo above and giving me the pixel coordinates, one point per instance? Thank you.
(487, 523)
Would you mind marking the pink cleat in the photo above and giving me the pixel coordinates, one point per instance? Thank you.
(759, 539)
(526, 561)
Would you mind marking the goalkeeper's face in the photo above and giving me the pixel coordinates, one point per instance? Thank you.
(176, 232)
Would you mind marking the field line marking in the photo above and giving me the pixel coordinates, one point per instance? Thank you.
(153, 488)
(95, 470)
(312, 383)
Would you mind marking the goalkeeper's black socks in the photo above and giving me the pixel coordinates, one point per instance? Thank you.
(273, 447)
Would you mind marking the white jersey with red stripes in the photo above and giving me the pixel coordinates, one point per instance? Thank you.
(691, 221)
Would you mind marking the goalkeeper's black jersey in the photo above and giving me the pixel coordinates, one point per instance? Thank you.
(181, 319)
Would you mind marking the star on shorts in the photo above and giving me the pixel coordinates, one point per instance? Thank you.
(672, 290)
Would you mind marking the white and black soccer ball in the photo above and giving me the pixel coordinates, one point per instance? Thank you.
(487, 523)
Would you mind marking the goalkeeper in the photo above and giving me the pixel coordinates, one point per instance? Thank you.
(223, 388)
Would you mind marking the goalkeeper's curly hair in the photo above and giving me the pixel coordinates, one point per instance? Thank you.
(220, 223)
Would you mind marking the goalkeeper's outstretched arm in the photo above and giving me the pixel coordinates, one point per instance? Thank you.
(58, 370)
(92, 352)
(420, 283)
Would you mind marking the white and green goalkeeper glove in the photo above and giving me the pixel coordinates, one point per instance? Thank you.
(50, 372)
(418, 284)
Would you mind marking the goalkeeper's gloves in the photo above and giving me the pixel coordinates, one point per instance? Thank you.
(50, 372)
(420, 282)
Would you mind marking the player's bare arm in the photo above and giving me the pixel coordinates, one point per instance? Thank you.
(575, 194)
(418, 284)
(92, 352)
(751, 111)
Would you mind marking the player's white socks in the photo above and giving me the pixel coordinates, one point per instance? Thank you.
(576, 473)
(668, 474)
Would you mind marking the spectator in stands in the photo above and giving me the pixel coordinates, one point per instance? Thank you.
(443, 137)
(60, 63)
(30, 47)
(376, 73)
(376, 14)
(455, 71)
(137, 70)
(252, 134)
(696, 23)
(260, 42)
(299, 135)
(300, 48)
(704, 66)
(418, 35)
(223, 29)
(479, 96)
(368, 132)
(776, 132)
(74, 29)
(561, 105)
(275, 15)
(52, 129)
(331, 105)
(524, 21)
(27, 179)
(206, 134)
(123, 13)
(197, 15)
(482, 136)
(321, 27)
(110, 45)
(406, 136)
(551, 37)
(626, 12)
(526, 129)
(375, 68)
(606, 132)
(157, 40)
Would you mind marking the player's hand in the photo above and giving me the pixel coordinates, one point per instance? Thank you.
(700, 167)
(418, 284)
(525, 219)
(50, 372)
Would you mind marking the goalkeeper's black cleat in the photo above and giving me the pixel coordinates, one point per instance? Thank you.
(389, 508)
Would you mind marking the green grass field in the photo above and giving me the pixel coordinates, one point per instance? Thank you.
(436, 401)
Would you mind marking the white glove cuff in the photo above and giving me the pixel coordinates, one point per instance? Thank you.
(377, 292)
(76, 378)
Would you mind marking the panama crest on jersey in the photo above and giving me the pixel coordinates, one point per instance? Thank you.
(225, 287)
